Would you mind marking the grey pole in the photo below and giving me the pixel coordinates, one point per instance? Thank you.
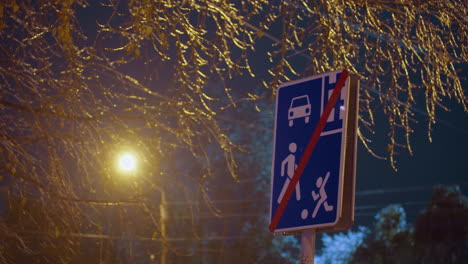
(163, 218)
(307, 246)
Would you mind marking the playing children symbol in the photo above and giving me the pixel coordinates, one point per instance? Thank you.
(322, 194)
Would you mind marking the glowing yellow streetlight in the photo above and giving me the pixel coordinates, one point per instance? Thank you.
(127, 162)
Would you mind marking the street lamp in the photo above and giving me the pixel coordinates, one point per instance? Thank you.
(127, 162)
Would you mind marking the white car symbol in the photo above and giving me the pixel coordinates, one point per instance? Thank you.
(300, 107)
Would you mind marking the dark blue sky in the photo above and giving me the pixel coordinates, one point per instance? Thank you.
(444, 161)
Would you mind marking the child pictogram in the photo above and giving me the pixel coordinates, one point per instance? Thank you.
(289, 163)
(320, 183)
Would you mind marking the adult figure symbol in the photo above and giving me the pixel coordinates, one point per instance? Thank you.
(320, 183)
(289, 165)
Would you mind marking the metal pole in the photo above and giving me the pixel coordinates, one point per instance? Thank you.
(163, 218)
(307, 246)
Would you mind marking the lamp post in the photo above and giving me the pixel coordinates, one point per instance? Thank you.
(162, 220)
(127, 163)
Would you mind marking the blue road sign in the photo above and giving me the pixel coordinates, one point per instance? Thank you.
(316, 199)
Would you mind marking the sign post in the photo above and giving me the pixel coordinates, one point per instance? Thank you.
(314, 156)
(307, 246)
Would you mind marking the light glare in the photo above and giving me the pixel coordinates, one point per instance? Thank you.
(127, 162)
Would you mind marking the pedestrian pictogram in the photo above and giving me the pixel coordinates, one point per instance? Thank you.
(289, 165)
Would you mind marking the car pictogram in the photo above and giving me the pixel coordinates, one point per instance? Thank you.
(300, 107)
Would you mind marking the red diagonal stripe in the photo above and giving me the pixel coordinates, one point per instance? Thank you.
(309, 149)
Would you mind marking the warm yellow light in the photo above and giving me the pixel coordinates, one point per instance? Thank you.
(127, 162)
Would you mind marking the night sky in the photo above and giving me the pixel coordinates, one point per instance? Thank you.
(444, 161)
